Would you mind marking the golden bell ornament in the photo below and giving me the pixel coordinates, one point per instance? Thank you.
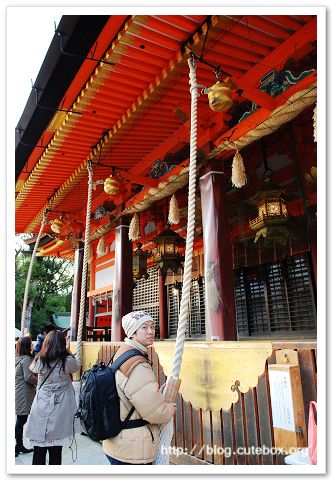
(220, 97)
(57, 225)
(112, 186)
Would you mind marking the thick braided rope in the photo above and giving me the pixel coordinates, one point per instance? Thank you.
(166, 430)
(85, 266)
(27, 283)
(281, 115)
(184, 306)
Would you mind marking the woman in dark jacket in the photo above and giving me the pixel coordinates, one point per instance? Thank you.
(25, 388)
(51, 421)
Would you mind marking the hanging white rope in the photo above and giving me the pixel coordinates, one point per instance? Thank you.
(85, 265)
(27, 283)
(166, 431)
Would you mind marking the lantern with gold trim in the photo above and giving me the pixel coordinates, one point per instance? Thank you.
(170, 251)
(140, 261)
(271, 222)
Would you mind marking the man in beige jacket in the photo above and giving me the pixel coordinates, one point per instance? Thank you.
(138, 388)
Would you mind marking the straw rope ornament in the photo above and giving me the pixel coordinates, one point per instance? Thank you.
(27, 282)
(133, 232)
(174, 214)
(281, 115)
(101, 247)
(173, 381)
(239, 177)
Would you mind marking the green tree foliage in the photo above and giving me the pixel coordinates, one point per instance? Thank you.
(50, 288)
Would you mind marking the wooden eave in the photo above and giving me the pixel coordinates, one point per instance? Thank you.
(131, 114)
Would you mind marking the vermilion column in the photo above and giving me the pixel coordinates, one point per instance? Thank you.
(163, 314)
(123, 280)
(220, 313)
(76, 294)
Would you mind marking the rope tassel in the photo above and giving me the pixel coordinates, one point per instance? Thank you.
(239, 177)
(101, 247)
(134, 228)
(174, 214)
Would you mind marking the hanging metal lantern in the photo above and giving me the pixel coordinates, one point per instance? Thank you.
(272, 213)
(140, 257)
(57, 225)
(112, 186)
(170, 251)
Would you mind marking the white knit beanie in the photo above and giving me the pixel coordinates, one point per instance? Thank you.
(133, 320)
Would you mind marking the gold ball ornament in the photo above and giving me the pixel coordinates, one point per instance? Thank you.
(220, 97)
(112, 186)
(57, 225)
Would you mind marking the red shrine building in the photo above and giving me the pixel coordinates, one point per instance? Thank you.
(113, 97)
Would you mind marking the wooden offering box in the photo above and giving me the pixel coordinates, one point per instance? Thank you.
(287, 402)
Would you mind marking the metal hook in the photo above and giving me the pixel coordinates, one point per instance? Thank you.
(20, 131)
(218, 74)
(63, 35)
(36, 90)
(89, 165)
(193, 59)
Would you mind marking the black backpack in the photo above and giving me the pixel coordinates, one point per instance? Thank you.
(99, 402)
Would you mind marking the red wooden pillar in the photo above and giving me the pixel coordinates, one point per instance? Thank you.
(123, 280)
(220, 313)
(163, 314)
(76, 294)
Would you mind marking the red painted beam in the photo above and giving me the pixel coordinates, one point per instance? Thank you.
(261, 98)
(261, 114)
(148, 181)
(159, 152)
(282, 52)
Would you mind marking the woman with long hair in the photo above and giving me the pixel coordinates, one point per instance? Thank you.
(25, 389)
(51, 422)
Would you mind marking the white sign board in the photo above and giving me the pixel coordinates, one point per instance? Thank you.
(104, 277)
(281, 400)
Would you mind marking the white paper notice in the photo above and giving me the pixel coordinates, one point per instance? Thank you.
(281, 400)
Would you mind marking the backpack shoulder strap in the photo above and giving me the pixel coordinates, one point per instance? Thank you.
(130, 364)
(126, 362)
(133, 352)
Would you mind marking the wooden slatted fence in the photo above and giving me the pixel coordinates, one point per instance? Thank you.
(216, 437)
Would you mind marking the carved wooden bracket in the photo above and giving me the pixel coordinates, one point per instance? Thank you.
(213, 373)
